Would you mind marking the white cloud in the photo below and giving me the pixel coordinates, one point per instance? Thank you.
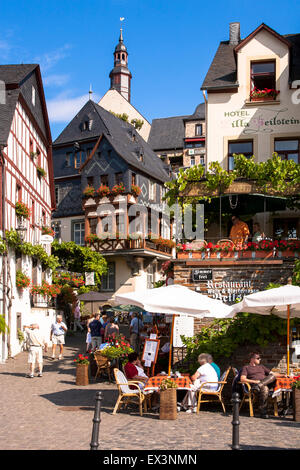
(49, 59)
(63, 108)
(56, 80)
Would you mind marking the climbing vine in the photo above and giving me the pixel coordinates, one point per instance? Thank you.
(274, 176)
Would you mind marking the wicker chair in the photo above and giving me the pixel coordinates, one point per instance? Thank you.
(213, 394)
(127, 394)
(225, 242)
(103, 365)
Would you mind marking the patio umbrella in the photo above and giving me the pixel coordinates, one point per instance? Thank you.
(175, 300)
(282, 301)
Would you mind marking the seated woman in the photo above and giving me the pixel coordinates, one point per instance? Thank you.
(134, 371)
(205, 373)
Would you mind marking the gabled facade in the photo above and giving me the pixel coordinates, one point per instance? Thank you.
(99, 150)
(180, 141)
(27, 177)
(251, 107)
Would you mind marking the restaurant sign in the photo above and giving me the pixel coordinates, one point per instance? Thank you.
(229, 291)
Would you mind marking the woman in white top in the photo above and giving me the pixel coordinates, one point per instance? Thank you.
(205, 373)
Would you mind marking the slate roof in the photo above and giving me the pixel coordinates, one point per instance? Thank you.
(223, 69)
(119, 134)
(12, 76)
(169, 133)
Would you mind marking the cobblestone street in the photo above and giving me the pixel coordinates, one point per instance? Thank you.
(52, 413)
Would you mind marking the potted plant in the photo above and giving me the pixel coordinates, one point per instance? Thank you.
(103, 191)
(47, 231)
(296, 399)
(89, 191)
(135, 190)
(168, 399)
(267, 94)
(118, 189)
(22, 210)
(82, 370)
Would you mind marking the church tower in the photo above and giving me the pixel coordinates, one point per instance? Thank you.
(120, 76)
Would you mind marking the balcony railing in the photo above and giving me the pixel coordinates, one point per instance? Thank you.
(161, 246)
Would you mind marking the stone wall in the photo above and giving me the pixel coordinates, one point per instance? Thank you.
(228, 277)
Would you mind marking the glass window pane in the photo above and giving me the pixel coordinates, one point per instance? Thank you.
(240, 147)
(286, 145)
(293, 156)
(263, 67)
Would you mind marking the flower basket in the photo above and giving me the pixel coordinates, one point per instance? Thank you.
(22, 281)
(103, 191)
(41, 172)
(135, 190)
(118, 189)
(82, 374)
(47, 231)
(22, 210)
(168, 404)
(89, 191)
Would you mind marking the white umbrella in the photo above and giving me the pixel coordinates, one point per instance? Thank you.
(282, 301)
(175, 300)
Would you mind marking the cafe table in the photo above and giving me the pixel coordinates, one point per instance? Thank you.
(183, 382)
(284, 384)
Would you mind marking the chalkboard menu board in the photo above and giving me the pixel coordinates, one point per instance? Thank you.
(202, 274)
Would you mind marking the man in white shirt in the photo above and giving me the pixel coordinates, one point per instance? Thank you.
(36, 344)
(205, 373)
(57, 336)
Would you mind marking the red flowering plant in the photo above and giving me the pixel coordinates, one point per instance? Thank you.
(46, 290)
(71, 279)
(47, 231)
(22, 281)
(92, 238)
(103, 190)
(82, 359)
(22, 210)
(135, 190)
(256, 93)
(118, 347)
(118, 189)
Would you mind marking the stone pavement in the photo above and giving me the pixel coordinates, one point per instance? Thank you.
(52, 413)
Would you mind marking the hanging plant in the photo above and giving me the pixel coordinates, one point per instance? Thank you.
(135, 190)
(22, 210)
(41, 172)
(47, 231)
(22, 281)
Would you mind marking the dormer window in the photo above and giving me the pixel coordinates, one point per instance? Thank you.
(263, 75)
(87, 125)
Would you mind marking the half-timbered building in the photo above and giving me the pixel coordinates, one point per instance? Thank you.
(26, 184)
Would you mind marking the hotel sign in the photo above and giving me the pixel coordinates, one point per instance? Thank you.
(262, 120)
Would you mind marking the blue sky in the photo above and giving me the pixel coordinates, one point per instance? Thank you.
(171, 44)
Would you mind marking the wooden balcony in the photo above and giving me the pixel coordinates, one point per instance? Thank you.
(136, 247)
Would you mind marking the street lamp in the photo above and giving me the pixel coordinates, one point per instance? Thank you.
(21, 228)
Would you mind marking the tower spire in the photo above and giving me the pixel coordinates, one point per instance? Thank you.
(120, 76)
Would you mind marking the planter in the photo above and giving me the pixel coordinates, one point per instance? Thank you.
(286, 254)
(262, 98)
(168, 404)
(296, 404)
(82, 374)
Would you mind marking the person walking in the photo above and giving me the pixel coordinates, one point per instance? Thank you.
(111, 328)
(36, 344)
(135, 329)
(95, 329)
(77, 315)
(57, 336)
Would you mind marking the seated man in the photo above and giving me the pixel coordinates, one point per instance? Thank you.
(205, 373)
(259, 377)
(239, 232)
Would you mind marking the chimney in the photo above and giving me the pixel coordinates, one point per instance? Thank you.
(234, 33)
